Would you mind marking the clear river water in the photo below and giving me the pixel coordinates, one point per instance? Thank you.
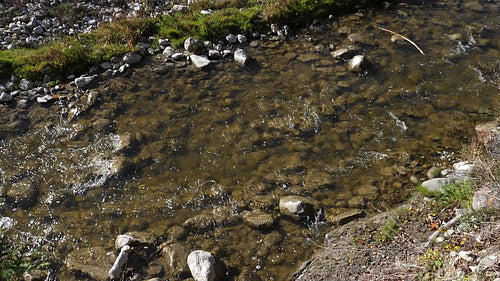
(181, 154)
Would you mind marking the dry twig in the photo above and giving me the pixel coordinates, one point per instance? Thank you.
(405, 38)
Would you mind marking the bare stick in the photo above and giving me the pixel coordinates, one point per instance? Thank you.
(397, 34)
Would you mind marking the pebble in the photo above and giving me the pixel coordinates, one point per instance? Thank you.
(242, 38)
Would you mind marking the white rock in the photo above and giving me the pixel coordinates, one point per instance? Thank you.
(122, 240)
(116, 270)
(164, 42)
(169, 51)
(466, 255)
(358, 64)
(242, 38)
(205, 12)
(231, 38)
(241, 57)
(180, 8)
(83, 81)
(5, 97)
(6, 222)
(200, 61)
(202, 265)
(193, 45)
(274, 28)
(132, 58)
(463, 168)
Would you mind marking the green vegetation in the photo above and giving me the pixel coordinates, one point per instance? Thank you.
(455, 194)
(16, 260)
(74, 54)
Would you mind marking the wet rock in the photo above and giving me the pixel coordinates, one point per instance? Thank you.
(205, 267)
(200, 62)
(175, 233)
(335, 217)
(358, 64)
(308, 57)
(356, 38)
(258, 219)
(241, 57)
(346, 53)
(92, 262)
(474, 6)
(193, 45)
(356, 202)
(199, 223)
(175, 256)
(120, 165)
(297, 206)
(22, 193)
(132, 58)
(436, 184)
(44, 99)
(231, 38)
(248, 274)
(85, 82)
(254, 44)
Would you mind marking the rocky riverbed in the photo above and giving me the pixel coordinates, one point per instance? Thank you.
(250, 160)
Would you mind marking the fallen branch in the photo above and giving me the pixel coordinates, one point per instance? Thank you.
(397, 34)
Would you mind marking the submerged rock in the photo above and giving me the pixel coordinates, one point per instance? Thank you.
(258, 219)
(358, 64)
(343, 217)
(175, 256)
(296, 206)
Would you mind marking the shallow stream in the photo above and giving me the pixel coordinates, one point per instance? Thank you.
(181, 153)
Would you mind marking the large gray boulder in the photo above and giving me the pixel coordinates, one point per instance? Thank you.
(84, 82)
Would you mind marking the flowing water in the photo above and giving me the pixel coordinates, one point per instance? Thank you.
(181, 153)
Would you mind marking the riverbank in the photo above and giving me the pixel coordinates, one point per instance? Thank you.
(64, 38)
(448, 230)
